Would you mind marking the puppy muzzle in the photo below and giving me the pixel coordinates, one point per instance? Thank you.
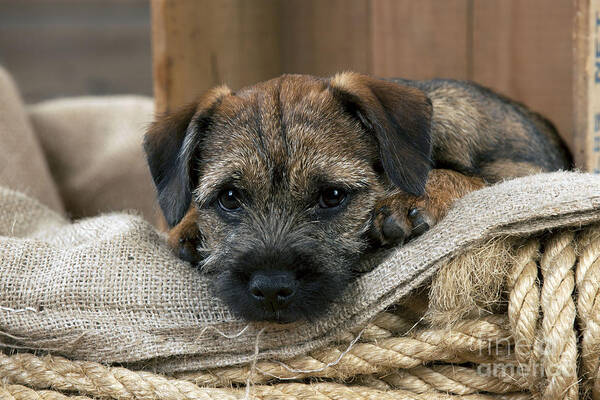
(273, 290)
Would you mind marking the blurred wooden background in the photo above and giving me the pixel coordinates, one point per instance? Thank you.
(520, 48)
(523, 49)
(76, 47)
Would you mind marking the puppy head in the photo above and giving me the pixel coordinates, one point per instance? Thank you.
(284, 176)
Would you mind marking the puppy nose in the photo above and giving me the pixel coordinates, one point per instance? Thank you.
(273, 289)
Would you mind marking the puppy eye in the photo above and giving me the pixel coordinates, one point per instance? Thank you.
(229, 199)
(331, 197)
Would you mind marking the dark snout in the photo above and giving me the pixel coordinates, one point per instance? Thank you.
(282, 270)
(273, 290)
(284, 283)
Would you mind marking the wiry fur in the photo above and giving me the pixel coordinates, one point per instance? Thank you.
(281, 239)
(282, 141)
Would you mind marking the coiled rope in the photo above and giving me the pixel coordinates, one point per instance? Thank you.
(546, 346)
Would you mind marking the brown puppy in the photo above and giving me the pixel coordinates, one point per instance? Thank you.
(279, 189)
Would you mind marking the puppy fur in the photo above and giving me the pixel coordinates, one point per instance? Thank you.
(400, 152)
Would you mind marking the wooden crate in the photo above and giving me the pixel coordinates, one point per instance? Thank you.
(539, 52)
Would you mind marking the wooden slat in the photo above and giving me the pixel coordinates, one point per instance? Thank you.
(198, 44)
(420, 39)
(323, 37)
(587, 85)
(72, 48)
(524, 50)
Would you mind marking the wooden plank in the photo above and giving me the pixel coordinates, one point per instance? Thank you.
(524, 50)
(324, 37)
(420, 39)
(198, 44)
(72, 48)
(587, 85)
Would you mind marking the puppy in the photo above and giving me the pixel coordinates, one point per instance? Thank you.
(279, 189)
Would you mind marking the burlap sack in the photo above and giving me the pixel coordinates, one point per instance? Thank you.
(108, 289)
(94, 149)
(22, 164)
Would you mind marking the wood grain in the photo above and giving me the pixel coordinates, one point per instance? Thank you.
(523, 49)
(520, 48)
(420, 39)
(198, 44)
(323, 37)
(72, 48)
(586, 85)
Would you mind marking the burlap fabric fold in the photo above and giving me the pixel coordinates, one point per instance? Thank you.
(80, 156)
(93, 146)
(23, 165)
(108, 289)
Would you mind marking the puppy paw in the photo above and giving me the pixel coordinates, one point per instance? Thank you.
(185, 238)
(400, 221)
(421, 220)
(187, 250)
(400, 217)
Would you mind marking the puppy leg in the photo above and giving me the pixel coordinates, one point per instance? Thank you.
(399, 216)
(185, 237)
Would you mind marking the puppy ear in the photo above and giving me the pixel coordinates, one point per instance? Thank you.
(170, 145)
(399, 117)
